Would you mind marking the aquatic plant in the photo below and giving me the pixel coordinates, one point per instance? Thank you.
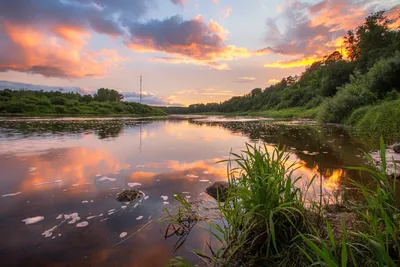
(267, 220)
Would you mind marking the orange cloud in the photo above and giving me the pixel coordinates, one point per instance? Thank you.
(188, 41)
(300, 62)
(316, 30)
(273, 81)
(60, 55)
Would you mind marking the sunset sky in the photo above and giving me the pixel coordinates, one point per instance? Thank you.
(188, 51)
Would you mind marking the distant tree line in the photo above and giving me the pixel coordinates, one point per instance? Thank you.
(104, 101)
(334, 86)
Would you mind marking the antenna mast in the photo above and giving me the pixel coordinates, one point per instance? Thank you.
(141, 82)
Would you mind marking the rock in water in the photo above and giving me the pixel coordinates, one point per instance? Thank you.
(218, 189)
(129, 195)
(396, 148)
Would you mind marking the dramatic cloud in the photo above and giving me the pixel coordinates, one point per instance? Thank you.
(49, 37)
(314, 30)
(27, 49)
(179, 2)
(190, 41)
(245, 79)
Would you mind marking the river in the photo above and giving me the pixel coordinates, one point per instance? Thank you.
(59, 179)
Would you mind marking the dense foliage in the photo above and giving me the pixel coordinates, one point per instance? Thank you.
(335, 86)
(105, 101)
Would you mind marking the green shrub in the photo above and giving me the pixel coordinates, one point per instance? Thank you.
(357, 115)
(59, 109)
(71, 103)
(350, 97)
(44, 101)
(58, 100)
(382, 119)
(384, 75)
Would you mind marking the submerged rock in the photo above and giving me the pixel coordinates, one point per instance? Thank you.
(129, 195)
(396, 148)
(218, 189)
(392, 160)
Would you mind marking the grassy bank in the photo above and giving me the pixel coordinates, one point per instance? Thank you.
(268, 221)
(382, 119)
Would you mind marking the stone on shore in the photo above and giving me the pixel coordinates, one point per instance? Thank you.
(218, 190)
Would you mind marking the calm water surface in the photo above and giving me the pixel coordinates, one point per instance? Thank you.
(55, 170)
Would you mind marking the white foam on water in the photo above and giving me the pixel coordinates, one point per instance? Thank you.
(90, 217)
(82, 224)
(91, 201)
(123, 234)
(87, 183)
(101, 214)
(33, 220)
(102, 220)
(53, 182)
(204, 181)
(139, 218)
(112, 210)
(105, 178)
(74, 185)
(98, 175)
(85, 201)
(134, 184)
(135, 205)
(175, 195)
(64, 190)
(123, 207)
(157, 180)
(165, 203)
(73, 216)
(146, 197)
(187, 196)
(205, 172)
(49, 232)
(59, 217)
(192, 176)
(110, 213)
(185, 192)
(165, 198)
(32, 169)
(140, 166)
(11, 194)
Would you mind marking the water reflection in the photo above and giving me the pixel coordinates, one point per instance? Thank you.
(74, 166)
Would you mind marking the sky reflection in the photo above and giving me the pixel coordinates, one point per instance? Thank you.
(66, 167)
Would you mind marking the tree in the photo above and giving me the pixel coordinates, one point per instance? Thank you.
(370, 41)
(105, 94)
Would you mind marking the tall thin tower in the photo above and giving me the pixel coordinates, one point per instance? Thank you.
(141, 84)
